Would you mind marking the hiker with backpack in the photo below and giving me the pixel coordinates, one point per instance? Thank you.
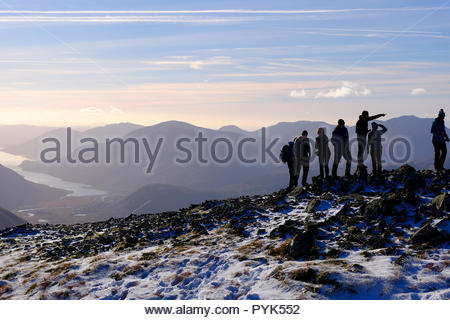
(362, 129)
(439, 139)
(374, 146)
(302, 156)
(341, 144)
(323, 151)
(287, 156)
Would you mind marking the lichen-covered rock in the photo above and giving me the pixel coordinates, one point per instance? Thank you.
(441, 202)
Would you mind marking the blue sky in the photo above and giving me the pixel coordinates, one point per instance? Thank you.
(212, 63)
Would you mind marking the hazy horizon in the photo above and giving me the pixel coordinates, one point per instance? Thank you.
(91, 126)
(251, 64)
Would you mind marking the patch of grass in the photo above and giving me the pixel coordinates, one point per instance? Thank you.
(324, 278)
(176, 279)
(62, 268)
(251, 247)
(76, 285)
(336, 262)
(179, 247)
(45, 283)
(401, 261)
(278, 273)
(96, 259)
(127, 271)
(61, 295)
(304, 275)
(10, 276)
(69, 277)
(5, 289)
(117, 276)
(29, 277)
(31, 288)
(281, 250)
(24, 258)
(95, 269)
(312, 276)
(131, 270)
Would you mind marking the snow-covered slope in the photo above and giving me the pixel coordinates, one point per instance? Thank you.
(387, 238)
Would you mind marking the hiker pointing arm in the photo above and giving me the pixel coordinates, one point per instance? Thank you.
(376, 116)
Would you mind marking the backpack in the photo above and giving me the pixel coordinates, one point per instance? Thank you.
(287, 152)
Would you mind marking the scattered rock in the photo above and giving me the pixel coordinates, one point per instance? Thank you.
(377, 207)
(441, 202)
(311, 207)
(302, 244)
(286, 230)
(297, 192)
(425, 234)
(414, 181)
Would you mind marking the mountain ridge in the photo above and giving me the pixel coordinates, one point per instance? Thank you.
(9, 219)
(16, 191)
(119, 179)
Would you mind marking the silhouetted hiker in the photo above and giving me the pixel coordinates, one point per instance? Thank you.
(439, 138)
(323, 151)
(375, 147)
(340, 141)
(362, 129)
(287, 156)
(302, 155)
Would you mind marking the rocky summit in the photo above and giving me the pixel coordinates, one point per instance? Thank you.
(375, 237)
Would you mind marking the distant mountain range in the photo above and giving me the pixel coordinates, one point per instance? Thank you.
(32, 147)
(12, 135)
(234, 176)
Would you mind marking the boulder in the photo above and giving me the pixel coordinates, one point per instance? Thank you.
(297, 192)
(441, 202)
(413, 181)
(283, 231)
(311, 207)
(425, 234)
(405, 170)
(377, 207)
(302, 244)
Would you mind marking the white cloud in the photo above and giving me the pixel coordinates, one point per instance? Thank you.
(193, 64)
(181, 16)
(347, 89)
(115, 110)
(298, 93)
(250, 11)
(91, 110)
(96, 110)
(418, 91)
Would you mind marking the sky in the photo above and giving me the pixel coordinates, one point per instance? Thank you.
(215, 63)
